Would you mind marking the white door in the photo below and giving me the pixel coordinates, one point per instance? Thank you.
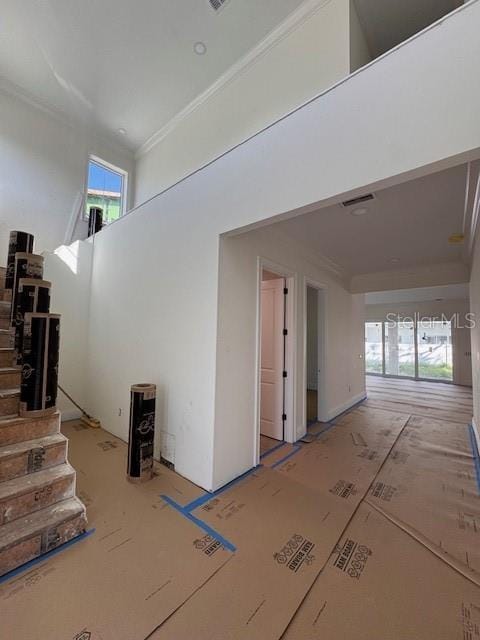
(272, 358)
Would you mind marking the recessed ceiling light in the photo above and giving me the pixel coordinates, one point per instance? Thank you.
(200, 48)
(358, 212)
(394, 260)
(121, 131)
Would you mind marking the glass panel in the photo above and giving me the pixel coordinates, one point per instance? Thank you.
(373, 347)
(435, 350)
(105, 190)
(400, 349)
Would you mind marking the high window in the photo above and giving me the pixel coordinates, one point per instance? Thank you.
(106, 188)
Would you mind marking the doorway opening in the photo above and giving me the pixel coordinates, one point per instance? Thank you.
(272, 360)
(275, 359)
(314, 354)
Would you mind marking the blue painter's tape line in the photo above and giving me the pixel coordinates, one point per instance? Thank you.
(329, 426)
(203, 525)
(296, 449)
(198, 502)
(476, 454)
(267, 453)
(354, 406)
(45, 556)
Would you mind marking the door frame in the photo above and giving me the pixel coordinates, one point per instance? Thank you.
(290, 350)
(322, 291)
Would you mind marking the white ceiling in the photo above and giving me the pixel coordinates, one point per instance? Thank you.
(409, 223)
(421, 294)
(388, 22)
(127, 63)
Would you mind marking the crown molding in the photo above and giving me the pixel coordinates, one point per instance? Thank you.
(11, 89)
(298, 17)
(7, 87)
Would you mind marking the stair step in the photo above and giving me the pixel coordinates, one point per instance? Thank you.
(9, 401)
(40, 532)
(5, 308)
(6, 357)
(6, 338)
(6, 295)
(14, 429)
(5, 322)
(35, 491)
(18, 459)
(9, 377)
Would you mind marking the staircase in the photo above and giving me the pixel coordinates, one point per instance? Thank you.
(38, 507)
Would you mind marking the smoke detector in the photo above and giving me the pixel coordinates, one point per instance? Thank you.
(200, 48)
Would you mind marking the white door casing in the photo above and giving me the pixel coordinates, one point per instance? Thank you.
(272, 358)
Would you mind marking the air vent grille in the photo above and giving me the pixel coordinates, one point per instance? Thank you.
(359, 200)
(217, 4)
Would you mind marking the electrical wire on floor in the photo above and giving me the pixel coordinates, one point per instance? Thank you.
(89, 420)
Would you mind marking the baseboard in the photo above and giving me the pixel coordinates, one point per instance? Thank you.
(334, 413)
(476, 432)
(71, 414)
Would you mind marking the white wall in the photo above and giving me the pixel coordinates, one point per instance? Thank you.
(153, 312)
(427, 308)
(152, 319)
(457, 310)
(475, 333)
(43, 166)
(297, 67)
(235, 417)
(347, 139)
(312, 338)
(69, 270)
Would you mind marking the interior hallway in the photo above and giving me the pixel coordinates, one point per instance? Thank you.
(378, 496)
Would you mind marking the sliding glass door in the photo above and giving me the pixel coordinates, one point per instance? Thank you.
(434, 344)
(400, 349)
(409, 349)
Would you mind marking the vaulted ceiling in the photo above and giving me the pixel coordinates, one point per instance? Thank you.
(127, 64)
(131, 66)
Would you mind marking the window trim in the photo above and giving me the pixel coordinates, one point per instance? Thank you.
(111, 167)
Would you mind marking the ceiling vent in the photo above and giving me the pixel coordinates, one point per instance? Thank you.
(359, 200)
(217, 4)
